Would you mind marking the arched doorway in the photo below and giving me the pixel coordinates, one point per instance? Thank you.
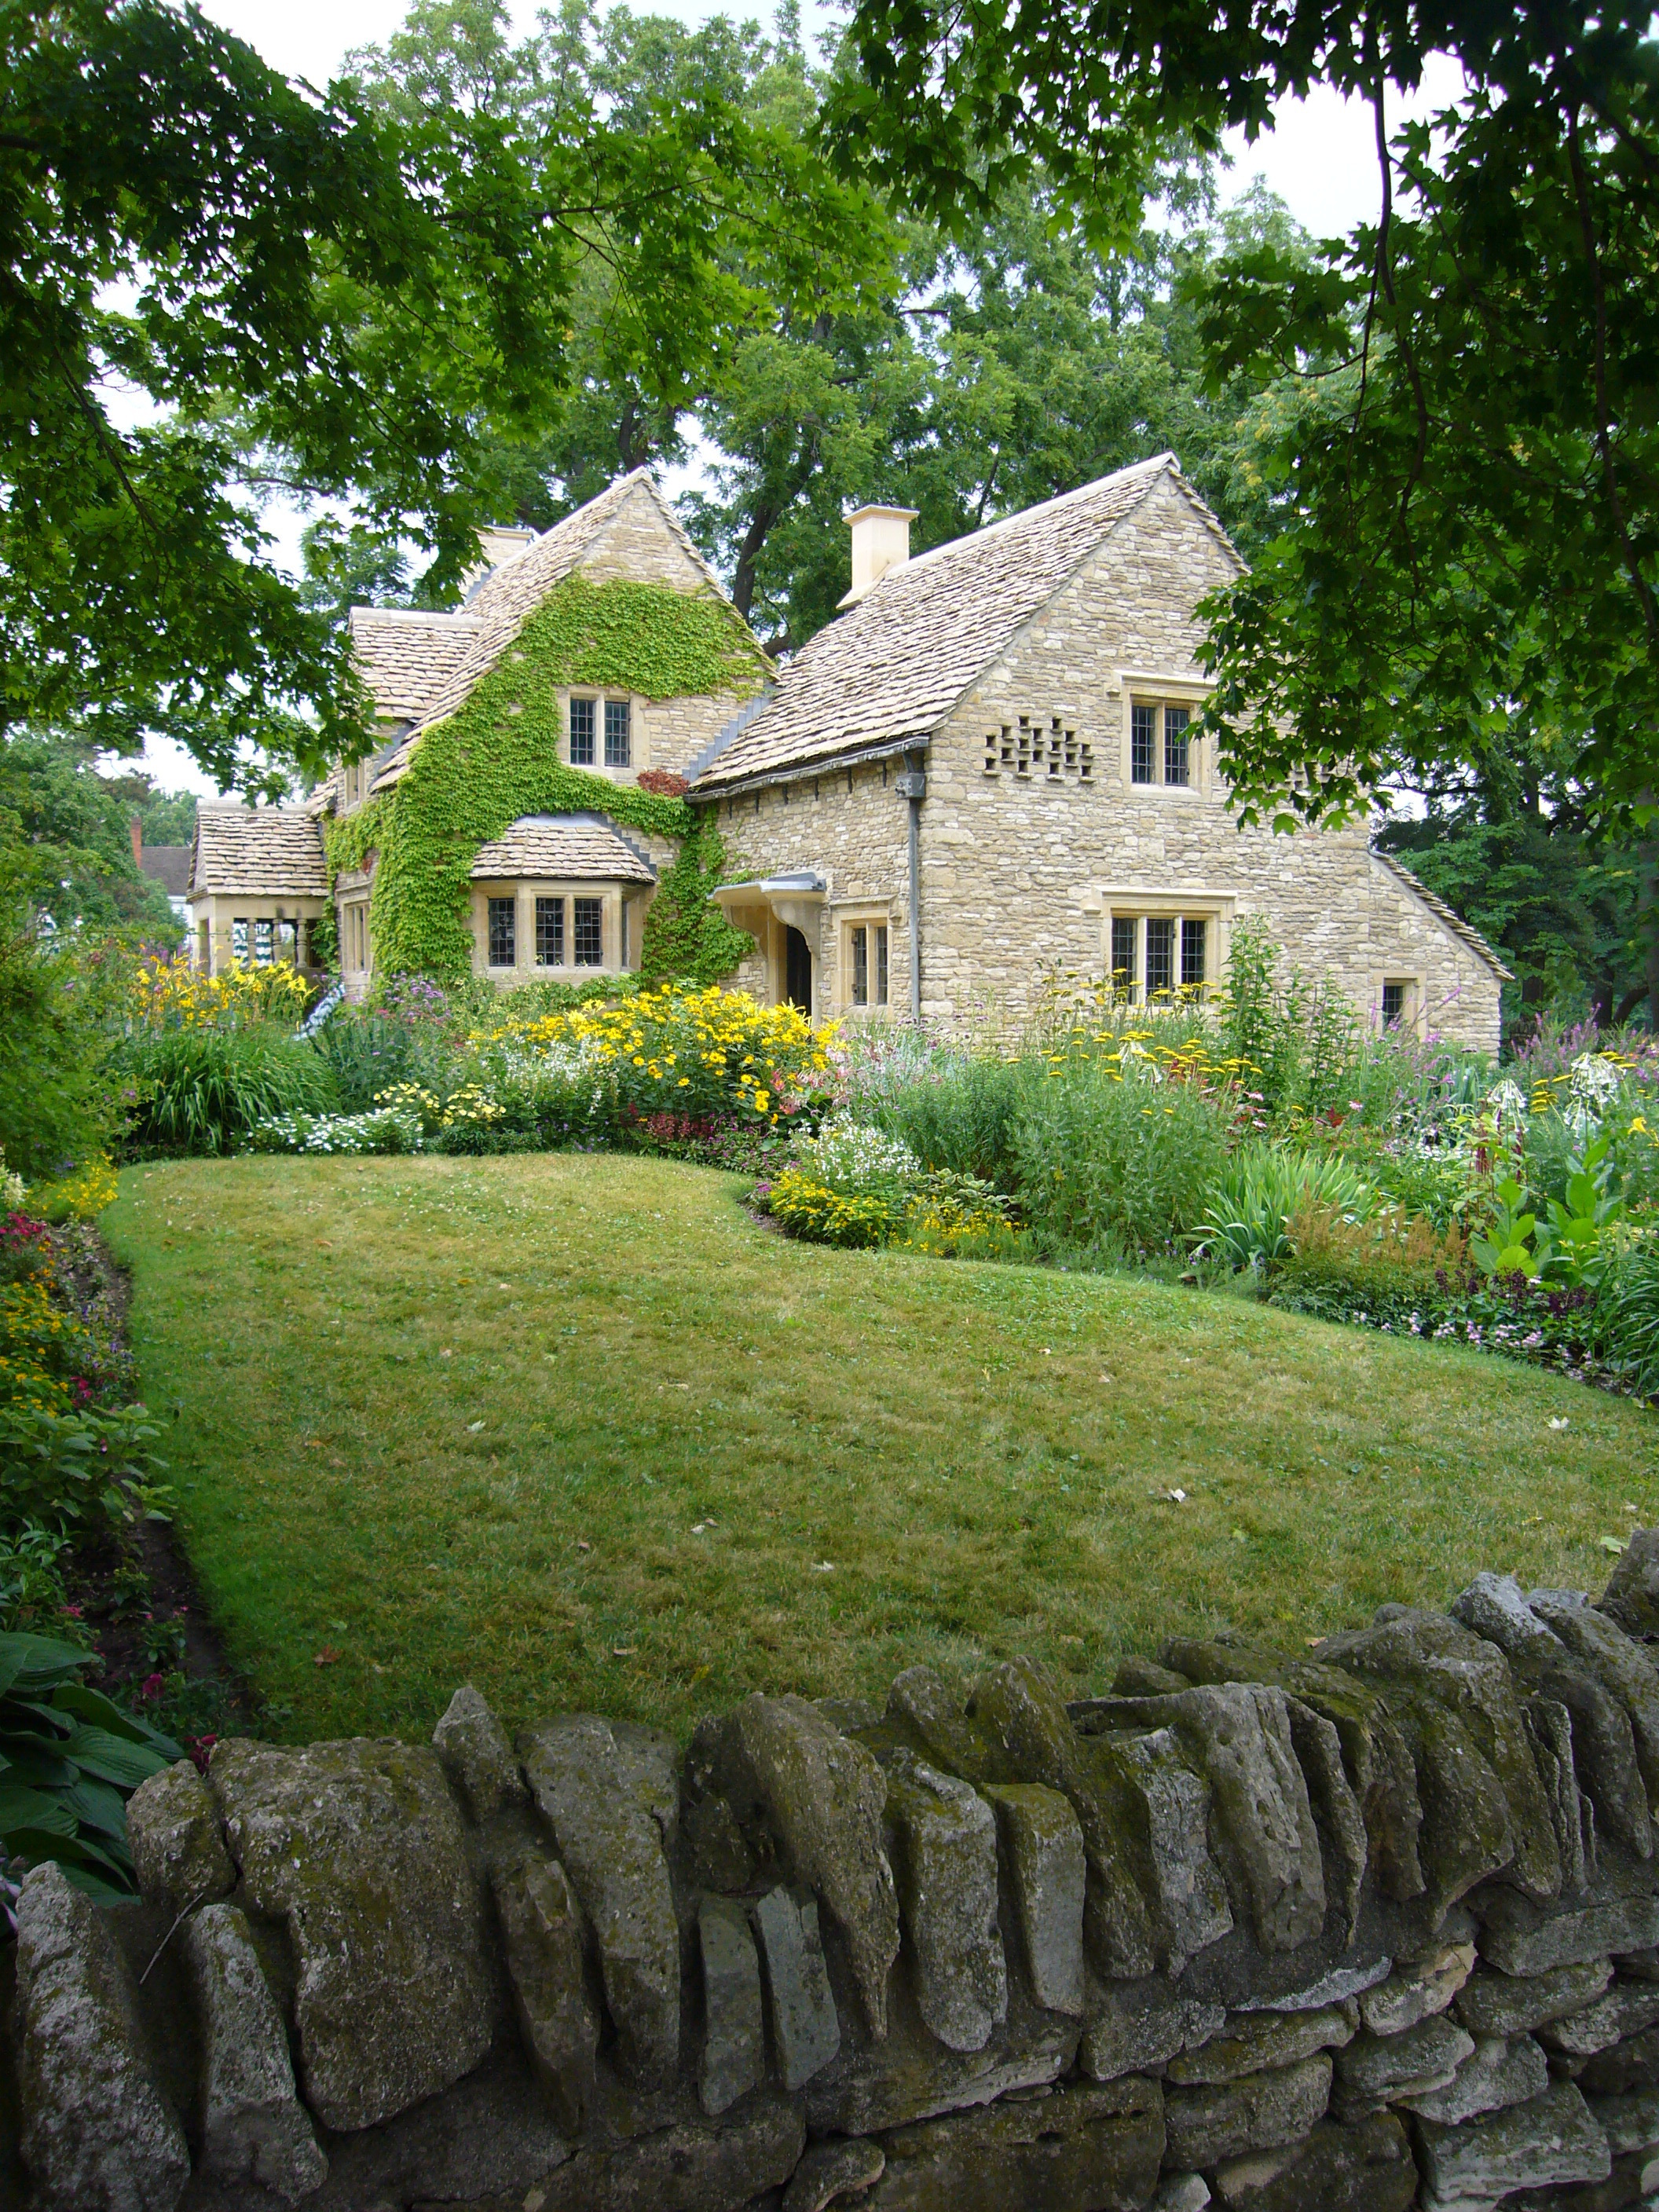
(797, 969)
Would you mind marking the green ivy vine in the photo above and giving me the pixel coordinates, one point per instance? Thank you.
(497, 759)
(686, 936)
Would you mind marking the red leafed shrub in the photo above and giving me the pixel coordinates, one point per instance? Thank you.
(663, 782)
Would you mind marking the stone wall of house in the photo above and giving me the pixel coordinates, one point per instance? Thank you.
(1018, 869)
(851, 825)
(1348, 1929)
(637, 545)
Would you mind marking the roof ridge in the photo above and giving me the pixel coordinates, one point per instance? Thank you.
(1025, 514)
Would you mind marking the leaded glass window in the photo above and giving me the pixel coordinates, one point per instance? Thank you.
(550, 932)
(1175, 720)
(619, 746)
(1143, 734)
(503, 933)
(587, 918)
(582, 732)
(1123, 952)
(1160, 955)
(1192, 954)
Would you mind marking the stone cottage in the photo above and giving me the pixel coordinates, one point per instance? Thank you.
(986, 772)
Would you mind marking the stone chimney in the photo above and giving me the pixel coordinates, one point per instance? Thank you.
(497, 545)
(135, 830)
(881, 541)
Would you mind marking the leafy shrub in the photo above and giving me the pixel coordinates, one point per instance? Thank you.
(33, 1596)
(368, 1052)
(56, 1100)
(809, 1207)
(1627, 1316)
(1248, 1209)
(959, 1114)
(74, 1470)
(1108, 1165)
(201, 1090)
(71, 1760)
(1382, 1267)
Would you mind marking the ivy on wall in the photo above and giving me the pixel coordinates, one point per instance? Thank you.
(684, 934)
(498, 757)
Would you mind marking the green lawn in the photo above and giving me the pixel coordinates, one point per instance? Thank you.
(579, 1430)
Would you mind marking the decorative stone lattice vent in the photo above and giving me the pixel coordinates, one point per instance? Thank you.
(1027, 749)
(1348, 1930)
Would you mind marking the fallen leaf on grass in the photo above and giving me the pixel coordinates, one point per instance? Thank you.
(823, 1566)
(326, 1657)
(1613, 1543)
(1555, 1424)
(624, 1650)
(473, 1427)
(1173, 1497)
(582, 1544)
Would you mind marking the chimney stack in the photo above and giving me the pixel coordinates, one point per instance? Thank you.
(881, 541)
(135, 829)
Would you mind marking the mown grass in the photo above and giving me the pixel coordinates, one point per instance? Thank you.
(579, 1430)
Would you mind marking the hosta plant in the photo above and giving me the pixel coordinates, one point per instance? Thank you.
(69, 1761)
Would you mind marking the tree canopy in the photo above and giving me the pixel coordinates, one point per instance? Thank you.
(1463, 466)
(215, 284)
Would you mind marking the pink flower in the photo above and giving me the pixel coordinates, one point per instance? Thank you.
(153, 1686)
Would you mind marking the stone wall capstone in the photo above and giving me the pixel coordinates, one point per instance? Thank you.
(1358, 1928)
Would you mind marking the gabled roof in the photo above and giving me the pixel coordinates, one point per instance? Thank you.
(509, 595)
(406, 657)
(168, 865)
(572, 848)
(899, 661)
(1452, 920)
(261, 852)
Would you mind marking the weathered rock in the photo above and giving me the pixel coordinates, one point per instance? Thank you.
(610, 1799)
(1334, 1988)
(1341, 1823)
(1549, 2140)
(1519, 1940)
(805, 2027)
(178, 1853)
(1251, 2043)
(1631, 1599)
(253, 2127)
(1205, 2126)
(683, 2169)
(833, 2172)
(1374, 1755)
(1549, 1725)
(1495, 2073)
(1419, 2058)
(358, 1847)
(1168, 1806)
(98, 2135)
(1239, 1735)
(870, 2088)
(1503, 2004)
(1144, 1678)
(1630, 2122)
(541, 1926)
(492, 2136)
(1042, 1846)
(1367, 2167)
(1603, 1751)
(1181, 2192)
(1029, 1737)
(1084, 2149)
(823, 1795)
(1131, 2026)
(1496, 1606)
(718, 1854)
(944, 1857)
(1621, 1666)
(734, 2043)
(478, 1758)
(1417, 1992)
(1626, 2067)
(1626, 2010)
(1453, 1693)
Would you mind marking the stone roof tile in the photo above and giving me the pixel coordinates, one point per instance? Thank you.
(261, 852)
(405, 658)
(1453, 920)
(896, 663)
(571, 848)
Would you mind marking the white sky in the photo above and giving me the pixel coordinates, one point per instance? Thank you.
(1320, 157)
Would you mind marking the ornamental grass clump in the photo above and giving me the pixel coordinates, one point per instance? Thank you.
(1248, 1209)
(198, 1089)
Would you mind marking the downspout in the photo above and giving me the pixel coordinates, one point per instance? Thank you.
(913, 785)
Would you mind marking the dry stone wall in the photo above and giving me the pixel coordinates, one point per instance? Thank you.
(1351, 1929)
